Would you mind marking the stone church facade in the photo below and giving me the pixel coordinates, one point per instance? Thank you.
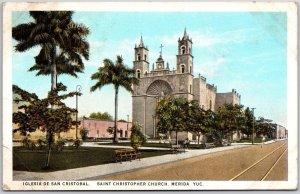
(161, 81)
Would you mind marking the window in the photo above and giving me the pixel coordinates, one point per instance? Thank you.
(210, 105)
(182, 68)
(138, 72)
(126, 133)
(190, 88)
(138, 57)
(183, 50)
(145, 57)
(190, 69)
(121, 133)
(97, 133)
(146, 73)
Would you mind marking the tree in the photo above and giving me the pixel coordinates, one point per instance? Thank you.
(84, 134)
(99, 115)
(61, 40)
(229, 119)
(118, 75)
(264, 127)
(198, 120)
(36, 114)
(136, 138)
(172, 114)
(247, 129)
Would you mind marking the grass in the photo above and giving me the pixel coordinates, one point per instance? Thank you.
(256, 140)
(157, 145)
(34, 160)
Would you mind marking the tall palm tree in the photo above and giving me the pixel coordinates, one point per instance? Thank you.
(118, 75)
(61, 40)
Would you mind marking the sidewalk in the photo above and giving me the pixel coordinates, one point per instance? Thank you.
(100, 171)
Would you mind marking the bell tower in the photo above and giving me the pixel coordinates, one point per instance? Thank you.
(140, 63)
(185, 57)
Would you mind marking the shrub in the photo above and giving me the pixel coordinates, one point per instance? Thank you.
(60, 144)
(25, 142)
(84, 134)
(136, 138)
(77, 143)
(31, 145)
(41, 143)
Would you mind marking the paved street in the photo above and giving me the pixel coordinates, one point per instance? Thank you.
(219, 166)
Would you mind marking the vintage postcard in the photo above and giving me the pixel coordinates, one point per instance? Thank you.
(150, 96)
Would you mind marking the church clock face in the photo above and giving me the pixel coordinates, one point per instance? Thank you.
(159, 66)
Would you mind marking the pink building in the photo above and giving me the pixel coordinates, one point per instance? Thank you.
(98, 128)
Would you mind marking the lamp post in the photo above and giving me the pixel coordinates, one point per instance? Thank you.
(78, 89)
(253, 125)
(127, 122)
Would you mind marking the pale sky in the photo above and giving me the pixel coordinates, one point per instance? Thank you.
(241, 50)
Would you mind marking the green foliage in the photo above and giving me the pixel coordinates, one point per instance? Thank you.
(60, 144)
(99, 115)
(54, 32)
(265, 127)
(136, 138)
(25, 142)
(172, 114)
(230, 118)
(248, 127)
(110, 130)
(84, 134)
(77, 143)
(199, 121)
(118, 75)
(37, 114)
(41, 143)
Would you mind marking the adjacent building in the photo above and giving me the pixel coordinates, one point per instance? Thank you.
(97, 128)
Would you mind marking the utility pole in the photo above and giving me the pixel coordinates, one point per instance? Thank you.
(78, 89)
(253, 125)
(127, 121)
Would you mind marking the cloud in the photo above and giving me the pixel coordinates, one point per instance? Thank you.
(208, 38)
(210, 68)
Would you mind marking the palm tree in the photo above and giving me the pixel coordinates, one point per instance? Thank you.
(118, 75)
(62, 44)
(61, 40)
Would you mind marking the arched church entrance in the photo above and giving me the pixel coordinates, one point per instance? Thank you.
(156, 90)
(159, 88)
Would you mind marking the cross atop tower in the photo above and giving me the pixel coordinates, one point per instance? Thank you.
(161, 46)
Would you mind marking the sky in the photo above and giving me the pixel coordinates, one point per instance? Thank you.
(241, 50)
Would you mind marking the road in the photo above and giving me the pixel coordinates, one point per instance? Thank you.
(238, 164)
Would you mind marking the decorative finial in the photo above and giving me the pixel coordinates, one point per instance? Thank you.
(167, 65)
(184, 34)
(141, 41)
(152, 66)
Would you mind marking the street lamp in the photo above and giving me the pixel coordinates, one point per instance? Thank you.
(253, 125)
(78, 89)
(127, 122)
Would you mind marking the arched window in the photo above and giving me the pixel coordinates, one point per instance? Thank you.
(145, 57)
(190, 88)
(210, 105)
(190, 69)
(183, 50)
(138, 74)
(138, 57)
(146, 73)
(121, 133)
(182, 69)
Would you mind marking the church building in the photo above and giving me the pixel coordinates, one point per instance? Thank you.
(161, 81)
